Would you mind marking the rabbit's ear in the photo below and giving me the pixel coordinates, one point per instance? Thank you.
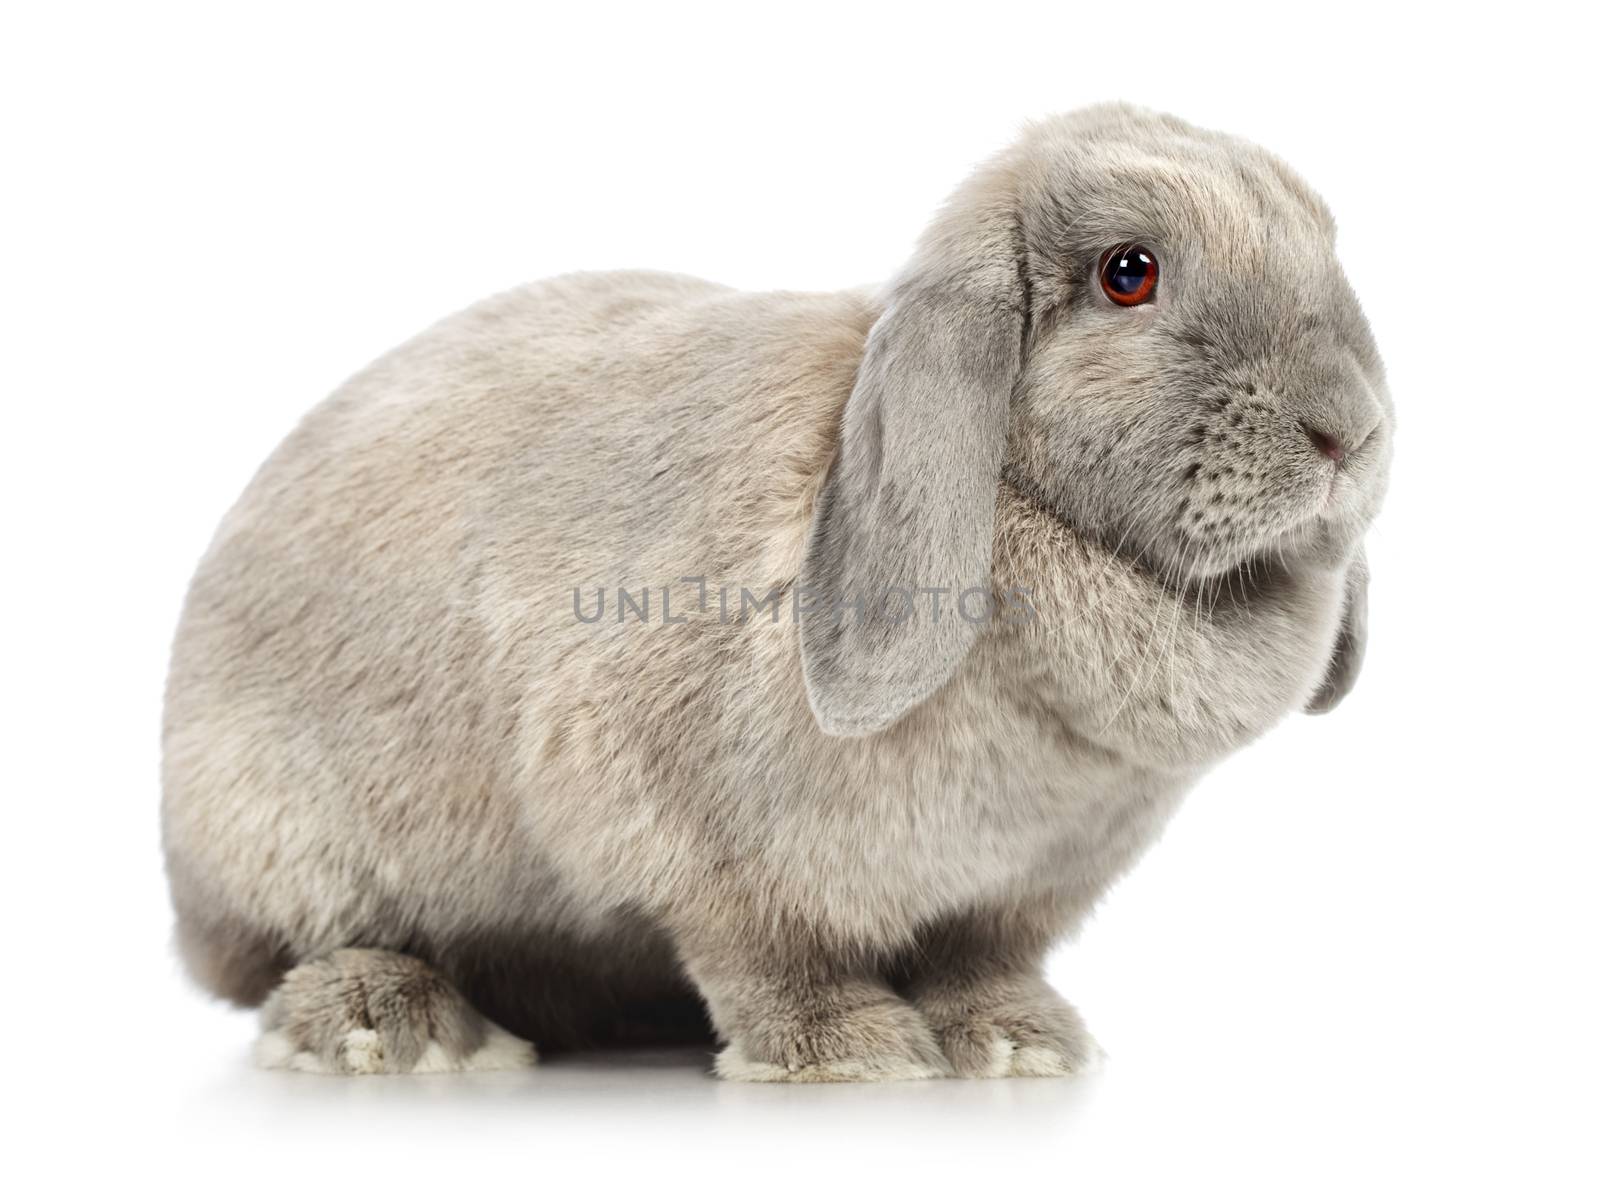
(904, 524)
(1351, 646)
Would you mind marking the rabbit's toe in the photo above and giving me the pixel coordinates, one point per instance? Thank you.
(1018, 1032)
(360, 1012)
(884, 1041)
(980, 1048)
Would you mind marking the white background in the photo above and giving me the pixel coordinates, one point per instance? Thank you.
(1362, 960)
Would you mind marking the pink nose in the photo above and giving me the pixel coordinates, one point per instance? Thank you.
(1327, 444)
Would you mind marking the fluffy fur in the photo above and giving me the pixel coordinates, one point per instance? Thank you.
(410, 790)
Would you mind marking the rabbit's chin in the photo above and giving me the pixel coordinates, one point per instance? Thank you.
(1317, 524)
(1324, 540)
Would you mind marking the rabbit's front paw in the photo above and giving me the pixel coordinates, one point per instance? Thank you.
(884, 1039)
(1010, 1029)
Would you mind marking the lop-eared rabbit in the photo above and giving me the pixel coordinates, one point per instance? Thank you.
(628, 656)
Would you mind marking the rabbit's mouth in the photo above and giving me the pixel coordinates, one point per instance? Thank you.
(1290, 510)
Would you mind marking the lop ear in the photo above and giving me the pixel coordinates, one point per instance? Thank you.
(908, 505)
(1351, 645)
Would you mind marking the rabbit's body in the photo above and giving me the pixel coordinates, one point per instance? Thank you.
(411, 712)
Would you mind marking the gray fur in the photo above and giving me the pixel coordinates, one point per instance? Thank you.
(910, 500)
(387, 731)
(1350, 648)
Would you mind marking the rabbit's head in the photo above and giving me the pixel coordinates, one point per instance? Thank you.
(1142, 327)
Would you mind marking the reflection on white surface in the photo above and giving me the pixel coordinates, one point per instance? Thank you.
(652, 1088)
(615, 1124)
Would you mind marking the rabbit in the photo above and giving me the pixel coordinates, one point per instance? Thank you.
(629, 657)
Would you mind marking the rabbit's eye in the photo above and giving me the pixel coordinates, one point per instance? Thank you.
(1128, 275)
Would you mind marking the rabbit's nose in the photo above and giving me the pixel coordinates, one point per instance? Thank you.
(1329, 445)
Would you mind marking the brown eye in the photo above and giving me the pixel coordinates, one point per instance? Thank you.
(1128, 275)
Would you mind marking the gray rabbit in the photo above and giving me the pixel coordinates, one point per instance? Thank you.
(632, 657)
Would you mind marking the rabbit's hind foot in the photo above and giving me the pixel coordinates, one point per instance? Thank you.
(364, 1012)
